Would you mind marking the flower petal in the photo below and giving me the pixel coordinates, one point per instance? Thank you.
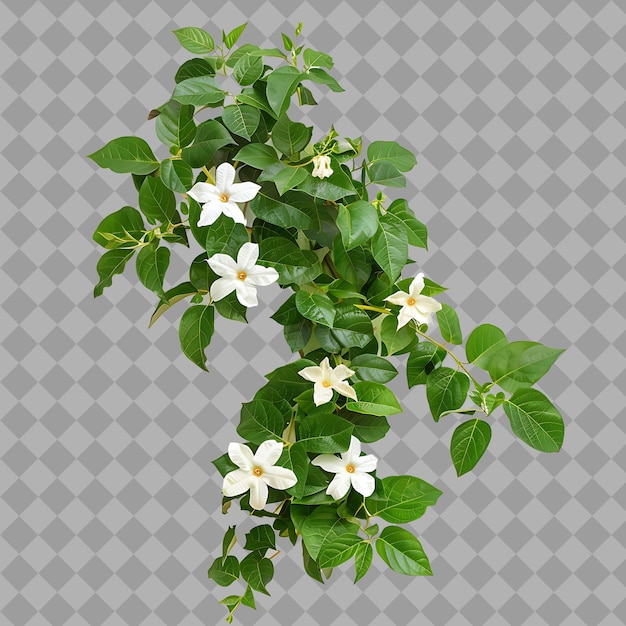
(223, 265)
(363, 483)
(247, 255)
(405, 316)
(344, 389)
(365, 463)
(354, 451)
(339, 486)
(341, 372)
(258, 493)
(236, 482)
(203, 192)
(312, 373)
(241, 455)
(222, 287)
(244, 192)
(280, 477)
(329, 463)
(230, 209)
(321, 394)
(426, 304)
(268, 453)
(262, 276)
(210, 212)
(400, 297)
(224, 177)
(246, 293)
(417, 284)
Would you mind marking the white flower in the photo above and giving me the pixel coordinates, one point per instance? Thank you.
(321, 166)
(241, 275)
(414, 305)
(223, 196)
(350, 469)
(326, 379)
(256, 472)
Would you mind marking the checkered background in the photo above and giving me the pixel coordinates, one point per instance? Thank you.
(109, 511)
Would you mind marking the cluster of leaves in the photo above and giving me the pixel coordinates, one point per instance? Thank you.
(340, 247)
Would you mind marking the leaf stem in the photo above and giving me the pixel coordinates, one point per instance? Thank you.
(209, 177)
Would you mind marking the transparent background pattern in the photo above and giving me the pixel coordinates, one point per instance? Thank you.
(109, 510)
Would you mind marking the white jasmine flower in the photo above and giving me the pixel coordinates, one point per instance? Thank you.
(256, 472)
(350, 469)
(223, 196)
(321, 166)
(241, 275)
(326, 379)
(414, 305)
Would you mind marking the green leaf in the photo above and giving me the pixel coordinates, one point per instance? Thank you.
(352, 327)
(241, 119)
(469, 442)
(194, 68)
(446, 391)
(228, 542)
(357, 222)
(324, 433)
(195, 332)
(339, 550)
(256, 97)
(292, 264)
(287, 313)
(248, 70)
(175, 126)
(224, 571)
(257, 571)
(195, 40)
(367, 428)
(384, 173)
(520, 364)
(260, 538)
(281, 85)
(311, 566)
(396, 340)
(210, 137)
(351, 265)
(126, 155)
(402, 552)
(260, 421)
(287, 382)
(449, 324)
(390, 247)
(313, 58)
(362, 560)
(176, 175)
(287, 178)
(404, 499)
(172, 296)
(416, 232)
(257, 155)
(199, 91)
(321, 526)
(423, 359)
(372, 368)
(374, 399)
(294, 209)
(118, 226)
(294, 457)
(247, 599)
(156, 201)
(335, 187)
(231, 39)
(290, 137)
(298, 334)
(322, 77)
(316, 307)
(224, 465)
(391, 152)
(535, 420)
(109, 264)
(230, 308)
(225, 236)
(152, 264)
(482, 343)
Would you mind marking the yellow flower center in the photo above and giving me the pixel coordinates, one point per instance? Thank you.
(350, 469)
(224, 197)
(241, 276)
(411, 301)
(326, 383)
(257, 471)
